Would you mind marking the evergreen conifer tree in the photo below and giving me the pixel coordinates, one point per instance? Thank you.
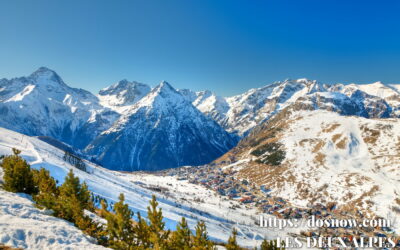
(182, 237)
(119, 226)
(158, 234)
(142, 230)
(18, 177)
(73, 199)
(201, 241)
(232, 244)
(47, 188)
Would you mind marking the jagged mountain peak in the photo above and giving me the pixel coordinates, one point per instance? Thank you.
(165, 88)
(378, 83)
(42, 70)
(122, 85)
(161, 130)
(205, 93)
(304, 80)
(46, 75)
(163, 96)
(122, 94)
(118, 85)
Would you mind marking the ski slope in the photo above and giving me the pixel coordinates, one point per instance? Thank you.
(215, 210)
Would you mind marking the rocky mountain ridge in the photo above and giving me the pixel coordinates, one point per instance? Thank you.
(43, 105)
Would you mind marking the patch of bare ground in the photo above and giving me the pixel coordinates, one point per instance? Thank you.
(313, 196)
(348, 181)
(310, 141)
(370, 136)
(336, 137)
(303, 191)
(355, 179)
(265, 174)
(357, 204)
(382, 127)
(318, 146)
(342, 143)
(330, 128)
(4, 247)
(320, 159)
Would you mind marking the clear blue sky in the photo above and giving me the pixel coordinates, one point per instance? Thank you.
(225, 46)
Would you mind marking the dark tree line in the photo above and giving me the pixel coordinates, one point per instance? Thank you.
(74, 160)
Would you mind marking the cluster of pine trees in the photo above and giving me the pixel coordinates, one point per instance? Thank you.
(70, 200)
(74, 160)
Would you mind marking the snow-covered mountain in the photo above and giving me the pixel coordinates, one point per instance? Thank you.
(208, 103)
(309, 157)
(241, 113)
(131, 126)
(374, 93)
(161, 130)
(122, 94)
(42, 104)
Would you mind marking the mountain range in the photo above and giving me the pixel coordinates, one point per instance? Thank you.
(131, 126)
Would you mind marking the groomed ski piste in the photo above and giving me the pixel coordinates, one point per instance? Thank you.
(23, 225)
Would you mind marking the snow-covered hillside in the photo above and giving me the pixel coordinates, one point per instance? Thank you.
(22, 225)
(178, 198)
(352, 161)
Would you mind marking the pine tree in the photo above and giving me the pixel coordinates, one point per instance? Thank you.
(201, 241)
(182, 237)
(47, 188)
(270, 245)
(103, 237)
(119, 226)
(18, 177)
(158, 235)
(73, 199)
(232, 244)
(142, 230)
(85, 197)
(89, 227)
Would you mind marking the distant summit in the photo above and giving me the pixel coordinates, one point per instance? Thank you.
(122, 94)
